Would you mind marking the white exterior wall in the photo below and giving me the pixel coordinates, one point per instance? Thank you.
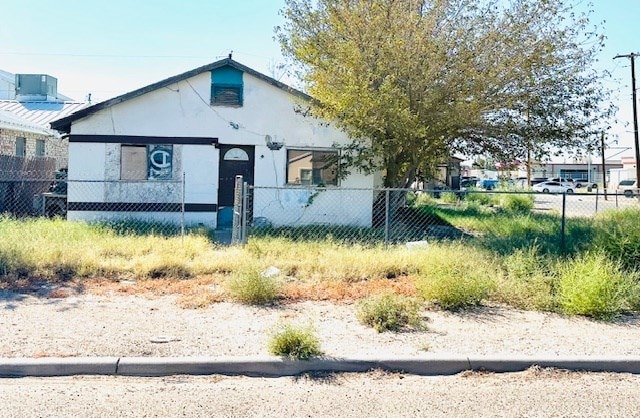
(87, 163)
(183, 110)
(314, 206)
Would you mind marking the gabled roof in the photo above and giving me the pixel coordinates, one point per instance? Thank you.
(64, 124)
(41, 113)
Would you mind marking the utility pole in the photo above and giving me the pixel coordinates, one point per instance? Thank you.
(604, 167)
(632, 57)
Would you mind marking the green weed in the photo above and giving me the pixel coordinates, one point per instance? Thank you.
(528, 282)
(388, 312)
(295, 342)
(456, 280)
(517, 203)
(617, 233)
(449, 197)
(480, 197)
(250, 286)
(593, 285)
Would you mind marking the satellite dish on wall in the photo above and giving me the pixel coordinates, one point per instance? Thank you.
(271, 144)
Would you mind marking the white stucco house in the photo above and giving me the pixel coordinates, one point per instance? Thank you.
(128, 155)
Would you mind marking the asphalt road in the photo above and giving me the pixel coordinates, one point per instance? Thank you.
(534, 393)
(582, 204)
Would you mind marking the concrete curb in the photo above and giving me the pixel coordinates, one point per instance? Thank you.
(275, 367)
(57, 366)
(270, 366)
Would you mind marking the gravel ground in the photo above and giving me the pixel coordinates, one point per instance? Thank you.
(117, 325)
(533, 393)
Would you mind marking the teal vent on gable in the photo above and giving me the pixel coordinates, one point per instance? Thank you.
(226, 87)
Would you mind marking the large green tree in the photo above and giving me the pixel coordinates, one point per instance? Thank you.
(413, 81)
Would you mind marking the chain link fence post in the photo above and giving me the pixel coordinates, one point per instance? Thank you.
(236, 231)
(245, 210)
(563, 222)
(182, 198)
(386, 217)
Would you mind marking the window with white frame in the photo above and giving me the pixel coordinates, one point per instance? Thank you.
(146, 162)
(312, 167)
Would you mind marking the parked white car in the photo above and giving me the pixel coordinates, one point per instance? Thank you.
(628, 187)
(585, 183)
(565, 181)
(552, 187)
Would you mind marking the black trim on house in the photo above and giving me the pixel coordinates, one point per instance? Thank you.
(64, 124)
(143, 140)
(140, 207)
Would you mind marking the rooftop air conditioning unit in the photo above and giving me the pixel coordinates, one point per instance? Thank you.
(36, 87)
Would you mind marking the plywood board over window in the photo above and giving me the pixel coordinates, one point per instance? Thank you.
(133, 162)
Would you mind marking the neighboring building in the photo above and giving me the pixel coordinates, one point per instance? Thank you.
(447, 174)
(7, 86)
(22, 138)
(626, 172)
(588, 170)
(31, 104)
(30, 151)
(129, 155)
(29, 155)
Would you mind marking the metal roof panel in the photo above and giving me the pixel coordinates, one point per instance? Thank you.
(41, 113)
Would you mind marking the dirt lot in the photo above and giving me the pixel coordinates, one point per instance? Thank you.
(63, 322)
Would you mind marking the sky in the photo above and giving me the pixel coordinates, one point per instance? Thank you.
(109, 47)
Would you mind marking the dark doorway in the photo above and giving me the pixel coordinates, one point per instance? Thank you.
(235, 160)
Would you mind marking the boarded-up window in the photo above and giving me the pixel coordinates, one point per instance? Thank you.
(21, 147)
(133, 162)
(226, 86)
(146, 162)
(226, 95)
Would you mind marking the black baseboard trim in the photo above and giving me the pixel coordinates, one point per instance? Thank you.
(140, 207)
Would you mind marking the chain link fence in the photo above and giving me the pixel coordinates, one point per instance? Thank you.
(130, 206)
(22, 180)
(127, 206)
(497, 219)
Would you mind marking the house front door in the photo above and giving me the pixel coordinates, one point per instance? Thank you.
(235, 160)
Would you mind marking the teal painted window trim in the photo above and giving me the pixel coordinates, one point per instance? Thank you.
(227, 88)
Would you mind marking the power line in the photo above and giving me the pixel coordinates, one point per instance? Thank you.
(52, 54)
(632, 57)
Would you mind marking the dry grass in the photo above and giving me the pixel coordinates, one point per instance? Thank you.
(199, 298)
(85, 258)
(334, 290)
(59, 293)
